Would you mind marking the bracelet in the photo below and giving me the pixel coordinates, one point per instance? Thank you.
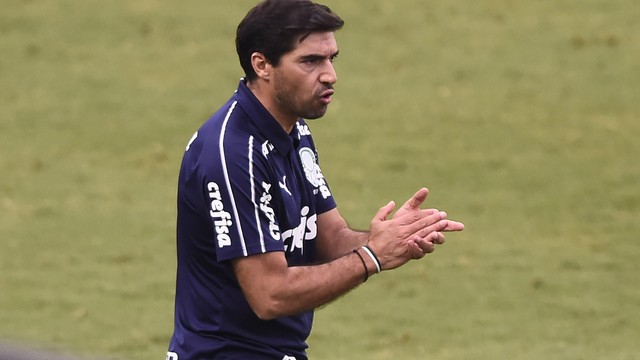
(366, 271)
(373, 257)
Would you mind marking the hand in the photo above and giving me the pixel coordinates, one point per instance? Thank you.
(397, 240)
(411, 233)
(428, 240)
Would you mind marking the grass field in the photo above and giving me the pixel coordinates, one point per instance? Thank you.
(521, 117)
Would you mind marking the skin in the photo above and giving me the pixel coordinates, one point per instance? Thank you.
(301, 86)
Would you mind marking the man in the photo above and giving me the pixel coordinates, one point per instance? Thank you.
(260, 242)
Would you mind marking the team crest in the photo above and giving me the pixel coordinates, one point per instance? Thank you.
(310, 166)
(312, 172)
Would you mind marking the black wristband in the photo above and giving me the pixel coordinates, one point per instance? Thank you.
(366, 271)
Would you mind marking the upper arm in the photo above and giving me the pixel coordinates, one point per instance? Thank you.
(239, 197)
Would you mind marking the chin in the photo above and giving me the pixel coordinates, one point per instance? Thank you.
(315, 115)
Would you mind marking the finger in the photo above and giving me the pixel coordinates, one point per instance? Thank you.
(416, 248)
(437, 238)
(417, 199)
(453, 226)
(411, 216)
(427, 224)
(384, 211)
(425, 246)
(432, 234)
(427, 212)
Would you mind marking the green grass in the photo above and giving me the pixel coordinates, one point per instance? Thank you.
(521, 117)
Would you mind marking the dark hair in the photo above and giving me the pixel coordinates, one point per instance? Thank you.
(272, 27)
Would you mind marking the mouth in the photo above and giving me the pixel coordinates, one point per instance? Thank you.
(325, 96)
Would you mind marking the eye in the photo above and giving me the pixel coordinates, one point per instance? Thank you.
(311, 60)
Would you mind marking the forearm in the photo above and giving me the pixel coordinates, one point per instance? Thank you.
(343, 242)
(291, 290)
(309, 287)
(335, 237)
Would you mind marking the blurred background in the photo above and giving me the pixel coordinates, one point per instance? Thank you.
(522, 119)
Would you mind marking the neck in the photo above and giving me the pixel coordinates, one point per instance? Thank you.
(267, 98)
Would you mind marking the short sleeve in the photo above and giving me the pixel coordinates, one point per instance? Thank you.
(239, 191)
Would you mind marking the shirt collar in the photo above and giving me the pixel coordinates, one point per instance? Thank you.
(265, 122)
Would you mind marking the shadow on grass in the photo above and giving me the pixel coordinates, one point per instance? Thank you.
(14, 351)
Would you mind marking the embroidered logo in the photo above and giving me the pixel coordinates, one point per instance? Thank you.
(221, 218)
(307, 229)
(267, 210)
(283, 185)
(312, 171)
(267, 147)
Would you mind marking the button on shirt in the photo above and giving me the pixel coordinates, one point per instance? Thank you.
(245, 187)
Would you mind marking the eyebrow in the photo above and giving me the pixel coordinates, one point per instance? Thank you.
(312, 57)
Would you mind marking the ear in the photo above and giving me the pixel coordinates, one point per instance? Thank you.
(261, 65)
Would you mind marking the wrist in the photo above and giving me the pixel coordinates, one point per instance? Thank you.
(374, 258)
(364, 264)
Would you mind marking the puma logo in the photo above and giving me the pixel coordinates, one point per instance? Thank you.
(283, 185)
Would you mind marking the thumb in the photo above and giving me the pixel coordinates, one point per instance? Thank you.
(384, 211)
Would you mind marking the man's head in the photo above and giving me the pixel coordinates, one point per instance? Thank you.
(274, 27)
(287, 48)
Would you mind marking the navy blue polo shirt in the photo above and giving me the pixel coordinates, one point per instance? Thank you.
(246, 187)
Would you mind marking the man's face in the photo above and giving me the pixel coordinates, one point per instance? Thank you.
(303, 80)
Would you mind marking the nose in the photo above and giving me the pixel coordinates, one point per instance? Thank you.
(329, 75)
